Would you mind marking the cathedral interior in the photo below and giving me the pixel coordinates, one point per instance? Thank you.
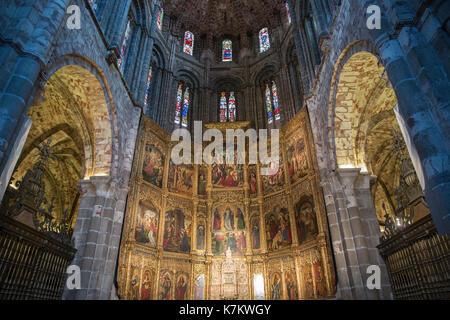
(355, 91)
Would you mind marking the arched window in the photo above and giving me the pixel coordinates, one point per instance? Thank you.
(264, 41)
(272, 104)
(149, 82)
(227, 107)
(179, 102)
(288, 13)
(227, 50)
(232, 107)
(186, 101)
(182, 106)
(124, 48)
(269, 104)
(160, 18)
(223, 107)
(276, 106)
(188, 43)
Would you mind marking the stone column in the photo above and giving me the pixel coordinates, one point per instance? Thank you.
(131, 59)
(421, 87)
(22, 53)
(321, 16)
(116, 25)
(304, 60)
(97, 236)
(355, 234)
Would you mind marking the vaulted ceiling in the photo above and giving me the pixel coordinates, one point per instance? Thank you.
(219, 17)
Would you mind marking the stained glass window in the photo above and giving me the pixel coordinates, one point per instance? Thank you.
(272, 102)
(276, 106)
(264, 41)
(232, 107)
(188, 43)
(269, 104)
(223, 107)
(186, 101)
(288, 12)
(227, 50)
(149, 82)
(178, 106)
(123, 50)
(160, 18)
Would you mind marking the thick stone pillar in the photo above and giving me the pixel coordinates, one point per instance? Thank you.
(115, 24)
(304, 63)
(430, 142)
(322, 17)
(355, 234)
(97, 236)
(23, 51)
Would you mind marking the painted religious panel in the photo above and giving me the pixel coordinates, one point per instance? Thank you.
(227, 175)
(146, 285)
(165, 285)
(202, 180)
(199, 287)
(201, 236)
(308, 281)
(275, 287)
(306, 220)
(228, 230)
(146, 231)
(252, 180)
(153, 167)
(278, 229)
(291, 285)
(297, 159)
(319, 279)
(256, 238)
(275, 180)
(180, 178)
(177, 232)
(181, 287)
(135, 282)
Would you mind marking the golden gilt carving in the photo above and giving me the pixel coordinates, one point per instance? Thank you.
(293, 263)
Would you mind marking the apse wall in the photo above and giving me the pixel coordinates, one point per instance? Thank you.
(180, 221)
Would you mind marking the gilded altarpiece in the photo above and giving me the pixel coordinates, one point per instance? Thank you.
(225, 231)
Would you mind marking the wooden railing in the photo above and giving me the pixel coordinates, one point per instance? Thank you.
(418, 262)
(32, 264)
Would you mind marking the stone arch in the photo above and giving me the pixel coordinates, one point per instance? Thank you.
(364, 129)
(74, 116)
(192, 80)
(103, 156)
(370, 53)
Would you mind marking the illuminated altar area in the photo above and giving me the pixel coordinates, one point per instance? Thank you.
(225, 231)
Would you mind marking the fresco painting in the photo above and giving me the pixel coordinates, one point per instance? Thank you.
(177, 232)
(153, 167)
(165, 285)
(275, 287)
(278, 229)
(180, 178)
(146, 231)
(306, 220)
(297, 161)
(275, 180)
(228, 230)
